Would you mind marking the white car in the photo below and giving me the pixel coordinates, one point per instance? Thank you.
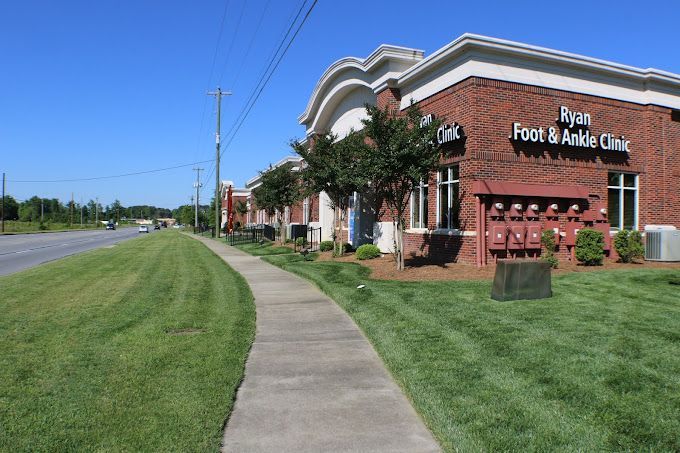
(143, 229)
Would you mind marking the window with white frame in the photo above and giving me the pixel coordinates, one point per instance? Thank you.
(448, 200)
(419, 206)
(622, 208)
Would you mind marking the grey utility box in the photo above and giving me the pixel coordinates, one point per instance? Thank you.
(662, 245)
(521, 279)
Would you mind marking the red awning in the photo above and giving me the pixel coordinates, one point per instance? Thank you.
(528, 190)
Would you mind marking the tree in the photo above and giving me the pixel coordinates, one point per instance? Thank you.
(402, 153)
(11, 208)
(279, 188)
(334, 166)
(241, 208)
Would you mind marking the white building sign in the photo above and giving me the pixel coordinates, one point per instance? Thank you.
(446, 132)
(573, 134)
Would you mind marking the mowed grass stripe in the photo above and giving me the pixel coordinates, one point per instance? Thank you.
(597, 367)
(86, 363)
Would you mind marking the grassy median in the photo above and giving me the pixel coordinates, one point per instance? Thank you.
(138, 347)
(595, 368)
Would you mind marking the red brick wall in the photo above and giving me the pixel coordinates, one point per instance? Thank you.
(486, 110)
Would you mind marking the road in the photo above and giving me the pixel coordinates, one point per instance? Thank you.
(21, 251)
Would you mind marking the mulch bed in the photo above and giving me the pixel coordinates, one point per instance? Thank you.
(419, 269)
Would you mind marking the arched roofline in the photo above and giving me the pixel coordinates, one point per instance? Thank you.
(379, 56)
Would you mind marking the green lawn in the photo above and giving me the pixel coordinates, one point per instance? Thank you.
(595, 368)
(87, 361)
(268, 248)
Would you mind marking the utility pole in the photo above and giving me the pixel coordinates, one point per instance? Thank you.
(81, 212)
(42, 209)
(197, 185)
(2, 205)
(71, 210)
(218, 202)
(96, 212)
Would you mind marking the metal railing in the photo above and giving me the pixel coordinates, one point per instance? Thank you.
(253, 234)
(306, 238)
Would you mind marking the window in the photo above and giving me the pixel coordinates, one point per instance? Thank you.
(623, 201)
(448, 202)
(419, 206)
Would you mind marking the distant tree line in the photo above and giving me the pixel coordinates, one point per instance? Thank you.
(185, 214)
(37, 209)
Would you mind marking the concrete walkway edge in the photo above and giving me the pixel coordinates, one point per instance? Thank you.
(312, 381)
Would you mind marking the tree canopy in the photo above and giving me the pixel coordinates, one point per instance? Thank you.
(335, 167)
(279, 188)
(402, 153)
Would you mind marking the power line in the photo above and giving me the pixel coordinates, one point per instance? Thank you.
(257, 96)
(94, 178)
(264, 73)
(212, 70)
(264, 79)
(250, 45)
(233, 39)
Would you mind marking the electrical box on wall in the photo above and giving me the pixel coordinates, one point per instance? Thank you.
(552, 210)
(516, 234)
(574, 210)
(571, 231)
(497, 236)
(555, 226)
(532, 210)
(532, 240)
(604, 229)
(516, 208)
(497, 208)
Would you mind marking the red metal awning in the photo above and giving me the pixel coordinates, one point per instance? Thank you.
(487, 187)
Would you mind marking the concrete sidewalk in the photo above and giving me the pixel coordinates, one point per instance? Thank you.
(313, 382)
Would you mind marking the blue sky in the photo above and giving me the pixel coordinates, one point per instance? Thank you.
(110, 87)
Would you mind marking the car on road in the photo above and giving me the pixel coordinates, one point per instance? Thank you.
(110, 226)
(143, 229)
(156, 227)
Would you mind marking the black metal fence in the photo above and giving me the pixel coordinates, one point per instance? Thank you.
(254, 234)
(306, 238)
(303, 237)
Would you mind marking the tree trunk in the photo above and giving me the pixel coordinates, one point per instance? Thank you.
(282, 226)
(334, 232)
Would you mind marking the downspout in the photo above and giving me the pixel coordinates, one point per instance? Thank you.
(478, 228)
(482, 240)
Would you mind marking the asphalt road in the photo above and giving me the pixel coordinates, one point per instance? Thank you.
(21, 251)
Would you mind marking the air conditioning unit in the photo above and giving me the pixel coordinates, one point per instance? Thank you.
(662, 243)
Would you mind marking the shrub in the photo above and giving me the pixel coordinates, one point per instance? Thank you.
(346, 248)
(301, 241)
(367, 252)
(548, 242)
(326, 246)
(590, 247)
(628, 245)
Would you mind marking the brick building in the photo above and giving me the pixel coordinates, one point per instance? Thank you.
(532, 139)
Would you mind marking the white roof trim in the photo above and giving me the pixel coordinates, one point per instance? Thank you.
(482, 56)
(382, 53)
(535, 51)
(295, 160)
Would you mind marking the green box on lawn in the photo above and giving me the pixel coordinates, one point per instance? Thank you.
(521, 279)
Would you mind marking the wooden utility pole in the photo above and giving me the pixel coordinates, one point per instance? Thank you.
(71, 209)
(197, 185)
(2, 205)
(218, 202)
